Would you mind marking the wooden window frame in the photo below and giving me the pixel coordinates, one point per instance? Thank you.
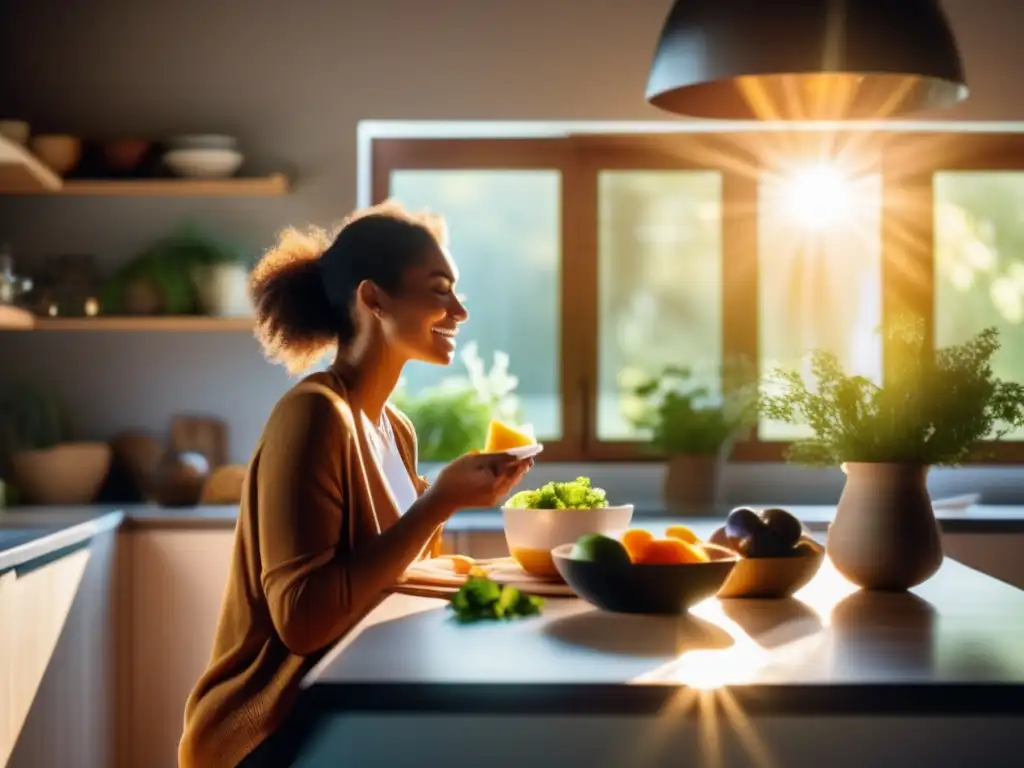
(907, 162)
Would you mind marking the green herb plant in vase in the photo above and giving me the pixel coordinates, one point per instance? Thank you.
(694, 427)
(451, 418)
(934, 409)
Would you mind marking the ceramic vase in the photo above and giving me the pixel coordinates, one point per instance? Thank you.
(885, 535)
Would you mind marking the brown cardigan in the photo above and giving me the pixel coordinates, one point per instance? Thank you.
(311, 497)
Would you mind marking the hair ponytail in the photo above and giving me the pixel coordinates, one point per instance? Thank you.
(295, 323)
(304, 286)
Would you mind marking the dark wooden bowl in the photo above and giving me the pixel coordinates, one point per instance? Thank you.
(633, 588)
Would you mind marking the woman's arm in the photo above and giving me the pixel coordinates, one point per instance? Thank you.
(316, 590)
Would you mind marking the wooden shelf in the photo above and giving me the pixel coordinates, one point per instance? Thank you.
(187, 323)
(22, 173)
(268, 186)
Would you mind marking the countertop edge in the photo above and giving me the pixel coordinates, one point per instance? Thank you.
(60, 538)
(834, 699)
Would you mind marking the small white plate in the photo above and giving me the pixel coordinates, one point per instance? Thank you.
(524, 451)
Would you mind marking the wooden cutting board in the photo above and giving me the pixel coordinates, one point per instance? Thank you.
(200, 434)
(438, 577)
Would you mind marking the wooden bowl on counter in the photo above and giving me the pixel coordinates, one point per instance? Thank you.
(773, 577)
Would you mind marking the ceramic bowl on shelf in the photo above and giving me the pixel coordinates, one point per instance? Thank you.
(125, 155)
(202, 141)
(774, 577)
(203, 163)
(531, 534)
(58, 151)
(15, 131)
(639, 588)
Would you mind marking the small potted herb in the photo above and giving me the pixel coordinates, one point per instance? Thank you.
(933, 410)
(694, 427)
(185, 272)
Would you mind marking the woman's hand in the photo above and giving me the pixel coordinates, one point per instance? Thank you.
(478, 480)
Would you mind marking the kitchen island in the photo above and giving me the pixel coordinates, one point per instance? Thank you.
(158, 575)
(834, 676)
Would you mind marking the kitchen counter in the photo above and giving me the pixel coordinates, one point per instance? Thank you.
(950, 646)
(27, 537)
(835, 677)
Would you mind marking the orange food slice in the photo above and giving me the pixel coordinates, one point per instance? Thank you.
(635, 540)
(682, 533)
(461, 564)
(671, 552)
(502, 437)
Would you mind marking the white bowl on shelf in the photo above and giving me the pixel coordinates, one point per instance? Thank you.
(202, 141)
(204, 163)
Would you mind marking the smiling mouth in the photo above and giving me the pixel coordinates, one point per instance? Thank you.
(445, 332)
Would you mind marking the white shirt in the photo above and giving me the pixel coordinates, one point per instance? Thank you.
(389, 460)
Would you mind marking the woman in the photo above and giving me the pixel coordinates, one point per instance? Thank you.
(332, 510)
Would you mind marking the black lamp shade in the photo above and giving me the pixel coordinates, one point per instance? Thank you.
(805, 59)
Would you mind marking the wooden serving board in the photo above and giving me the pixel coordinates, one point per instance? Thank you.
(439, 576)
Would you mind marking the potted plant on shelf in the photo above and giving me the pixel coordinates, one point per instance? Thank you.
(186, 272)
(44, 467)
(694, 427)
(451, 418)
(933, 410)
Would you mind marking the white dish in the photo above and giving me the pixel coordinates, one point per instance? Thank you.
(204, 163)
(524, 451)
(531, 534)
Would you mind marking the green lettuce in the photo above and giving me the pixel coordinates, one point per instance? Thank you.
(575, 494)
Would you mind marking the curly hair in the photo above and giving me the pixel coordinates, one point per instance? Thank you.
(304, 285)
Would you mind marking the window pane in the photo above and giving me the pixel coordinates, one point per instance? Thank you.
(660, 273)
(819, 275)
(505, 232)
(979, 263)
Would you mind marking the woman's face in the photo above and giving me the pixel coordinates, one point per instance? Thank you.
(421, 320)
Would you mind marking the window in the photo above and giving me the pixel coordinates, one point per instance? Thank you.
(594, 260)
(979, 262)
(659, 282)
(819, 266)
(505, 235)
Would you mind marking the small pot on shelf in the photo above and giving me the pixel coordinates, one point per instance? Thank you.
(223, 289)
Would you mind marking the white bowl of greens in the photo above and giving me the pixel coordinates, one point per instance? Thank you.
(537, 521)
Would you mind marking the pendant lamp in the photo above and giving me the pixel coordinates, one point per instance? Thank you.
(805, 59)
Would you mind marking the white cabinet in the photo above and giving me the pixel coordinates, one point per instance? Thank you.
(7, 619)
(172, 586)
(57, 671)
